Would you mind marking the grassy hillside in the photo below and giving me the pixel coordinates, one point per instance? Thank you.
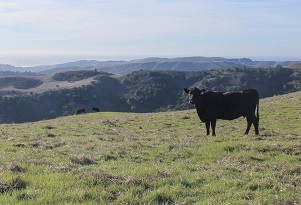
(19, 82)
(161, 158)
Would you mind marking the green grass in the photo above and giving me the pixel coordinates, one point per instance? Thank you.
(159, 158)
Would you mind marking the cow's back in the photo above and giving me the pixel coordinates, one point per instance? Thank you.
(230, 105)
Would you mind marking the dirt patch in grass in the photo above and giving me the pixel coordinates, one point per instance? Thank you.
(5, 188)
(81, 160)
(16, 184)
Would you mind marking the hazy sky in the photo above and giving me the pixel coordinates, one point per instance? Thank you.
(125, 29)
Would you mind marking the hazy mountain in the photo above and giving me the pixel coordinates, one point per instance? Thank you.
(77, 65)
(177, 64)
(8, 67)
(196, 63)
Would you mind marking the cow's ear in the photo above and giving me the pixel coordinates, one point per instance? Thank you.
(186, 90)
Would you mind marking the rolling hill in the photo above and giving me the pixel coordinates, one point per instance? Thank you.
(140, 91)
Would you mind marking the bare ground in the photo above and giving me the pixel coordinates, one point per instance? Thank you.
(48, 84)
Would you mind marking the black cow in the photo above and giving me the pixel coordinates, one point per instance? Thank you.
(81, 111)
(95, 109)
(212, 105)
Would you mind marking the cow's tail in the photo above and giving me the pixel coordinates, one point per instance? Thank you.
(257, 111)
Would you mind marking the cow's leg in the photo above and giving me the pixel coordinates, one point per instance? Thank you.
(249, 121)
(255, 123)
(208, 127)
(213, 124)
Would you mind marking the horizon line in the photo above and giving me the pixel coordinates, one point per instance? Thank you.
(29, 60)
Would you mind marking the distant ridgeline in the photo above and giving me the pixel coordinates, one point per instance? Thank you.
(196, 63)
(18, 73)
(77, 75)
(143, 91)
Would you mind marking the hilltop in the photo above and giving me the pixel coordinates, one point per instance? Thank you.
(154, 158)
(13, 85)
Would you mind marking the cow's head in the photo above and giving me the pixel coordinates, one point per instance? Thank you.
(196, 94)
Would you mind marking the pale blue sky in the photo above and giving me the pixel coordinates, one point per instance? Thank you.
(128, 29)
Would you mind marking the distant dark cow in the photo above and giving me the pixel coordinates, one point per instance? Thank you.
(212, 105)
(95, 109)
(81, 111)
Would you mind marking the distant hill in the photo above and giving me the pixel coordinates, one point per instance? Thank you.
(295, 65)
(19, 82)
(178, 64)
(78, 65)
(6, 67)
(77, 75)
(20, 85)
(139, 91)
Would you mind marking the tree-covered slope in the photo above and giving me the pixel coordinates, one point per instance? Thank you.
(141, 91)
